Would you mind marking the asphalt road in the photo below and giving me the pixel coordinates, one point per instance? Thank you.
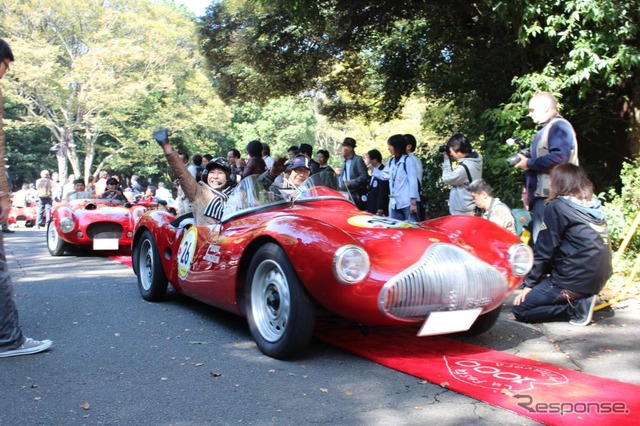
(118, 359)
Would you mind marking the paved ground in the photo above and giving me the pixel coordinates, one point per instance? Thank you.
(182, 363)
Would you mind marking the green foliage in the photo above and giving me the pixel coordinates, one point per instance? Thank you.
(100, 76)
(622, 209)
(280, 123)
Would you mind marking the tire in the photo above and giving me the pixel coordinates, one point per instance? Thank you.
(30, 223)
(152, 281)
(483, 323)
(280, 313)
(55, 244)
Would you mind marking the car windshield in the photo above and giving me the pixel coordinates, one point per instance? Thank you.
(250, 194)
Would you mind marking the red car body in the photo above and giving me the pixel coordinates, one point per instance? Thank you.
(96, 224)
(23, 214)
(402, 273)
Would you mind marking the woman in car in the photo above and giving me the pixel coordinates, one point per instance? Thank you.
(207, 196)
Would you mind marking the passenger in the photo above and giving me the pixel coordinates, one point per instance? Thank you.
(207, 196)
(113, 192)
(79, 192)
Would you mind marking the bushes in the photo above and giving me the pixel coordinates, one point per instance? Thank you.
(622, 209)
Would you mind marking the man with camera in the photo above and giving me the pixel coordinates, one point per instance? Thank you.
(468, 169)
(555, 143)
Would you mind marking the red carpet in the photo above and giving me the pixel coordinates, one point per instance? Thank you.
(542, 392)
(125, 260)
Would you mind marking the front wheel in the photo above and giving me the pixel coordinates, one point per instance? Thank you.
(484, 322)
(55, 244)
(280, 313)
(152, 281)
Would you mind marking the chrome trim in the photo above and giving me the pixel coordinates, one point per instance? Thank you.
(446, 278)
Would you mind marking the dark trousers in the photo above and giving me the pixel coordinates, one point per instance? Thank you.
(546, 302)
(537, 214)
(42, 206)
(10, 333)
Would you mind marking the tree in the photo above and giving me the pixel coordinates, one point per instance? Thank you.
(100, 76)
(475, 63)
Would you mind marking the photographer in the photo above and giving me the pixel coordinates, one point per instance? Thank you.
(468, 169)
(555, 143)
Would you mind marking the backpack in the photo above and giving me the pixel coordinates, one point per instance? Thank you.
(43, 187)
(522, 219)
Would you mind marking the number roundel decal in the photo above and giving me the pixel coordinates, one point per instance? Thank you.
(374, 222)
(186, 251)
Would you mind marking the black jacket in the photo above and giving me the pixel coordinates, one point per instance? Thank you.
(573, 247)
(378, 195)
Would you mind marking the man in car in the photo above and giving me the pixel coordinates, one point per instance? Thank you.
(79, 192)
(296, 173)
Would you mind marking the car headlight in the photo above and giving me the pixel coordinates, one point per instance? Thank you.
(521, 259)
(350, 264)
(67, 224)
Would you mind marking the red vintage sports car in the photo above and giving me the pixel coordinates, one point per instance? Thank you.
(23, 215)
(279, 255)
(93, 223)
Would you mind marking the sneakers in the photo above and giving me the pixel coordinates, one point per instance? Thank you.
(584, 310)
(29, 346)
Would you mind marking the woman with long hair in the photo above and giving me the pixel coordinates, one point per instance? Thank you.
(572, 255)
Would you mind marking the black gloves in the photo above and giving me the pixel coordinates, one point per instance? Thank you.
(161, 135)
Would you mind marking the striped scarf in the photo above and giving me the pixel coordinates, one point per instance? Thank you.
(215, 208)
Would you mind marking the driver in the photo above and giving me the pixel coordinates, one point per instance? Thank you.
(207, 196)
(112, 192)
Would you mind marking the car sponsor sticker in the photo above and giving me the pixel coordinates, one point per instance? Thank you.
(213, 254)
(363, 221)
(186, 251)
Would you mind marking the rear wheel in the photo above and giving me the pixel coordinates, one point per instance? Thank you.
(55, 244)
(152, 281)
(280, 313)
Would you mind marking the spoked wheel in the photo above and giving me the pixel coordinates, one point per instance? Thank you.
(55, 244)
(152, 281)
(280, 313)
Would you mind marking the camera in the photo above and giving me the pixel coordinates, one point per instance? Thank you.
(443, 148)
(523, 150)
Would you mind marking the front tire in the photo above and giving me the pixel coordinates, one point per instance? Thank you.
(152, 281)
(55, 244)
(484, 322)
(280, 313)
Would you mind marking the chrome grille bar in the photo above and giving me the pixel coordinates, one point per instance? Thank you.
(446, 278)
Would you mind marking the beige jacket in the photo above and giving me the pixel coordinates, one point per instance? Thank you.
(197, 192)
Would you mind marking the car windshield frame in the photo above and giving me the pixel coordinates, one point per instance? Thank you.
(250, 195)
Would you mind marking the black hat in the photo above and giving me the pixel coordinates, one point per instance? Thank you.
(299, 161)
(218, 163)
(79, 180)
(349, 142)
(305, 148)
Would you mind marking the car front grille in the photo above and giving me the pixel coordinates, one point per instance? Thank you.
(104, 230)
(446, 278)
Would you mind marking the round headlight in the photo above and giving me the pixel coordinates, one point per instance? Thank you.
(521, 259)
(350, 264)
(67, 224)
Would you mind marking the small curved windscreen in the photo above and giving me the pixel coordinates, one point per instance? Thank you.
(250, 194)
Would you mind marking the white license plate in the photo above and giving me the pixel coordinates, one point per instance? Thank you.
(449, 322)
(105, 244)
